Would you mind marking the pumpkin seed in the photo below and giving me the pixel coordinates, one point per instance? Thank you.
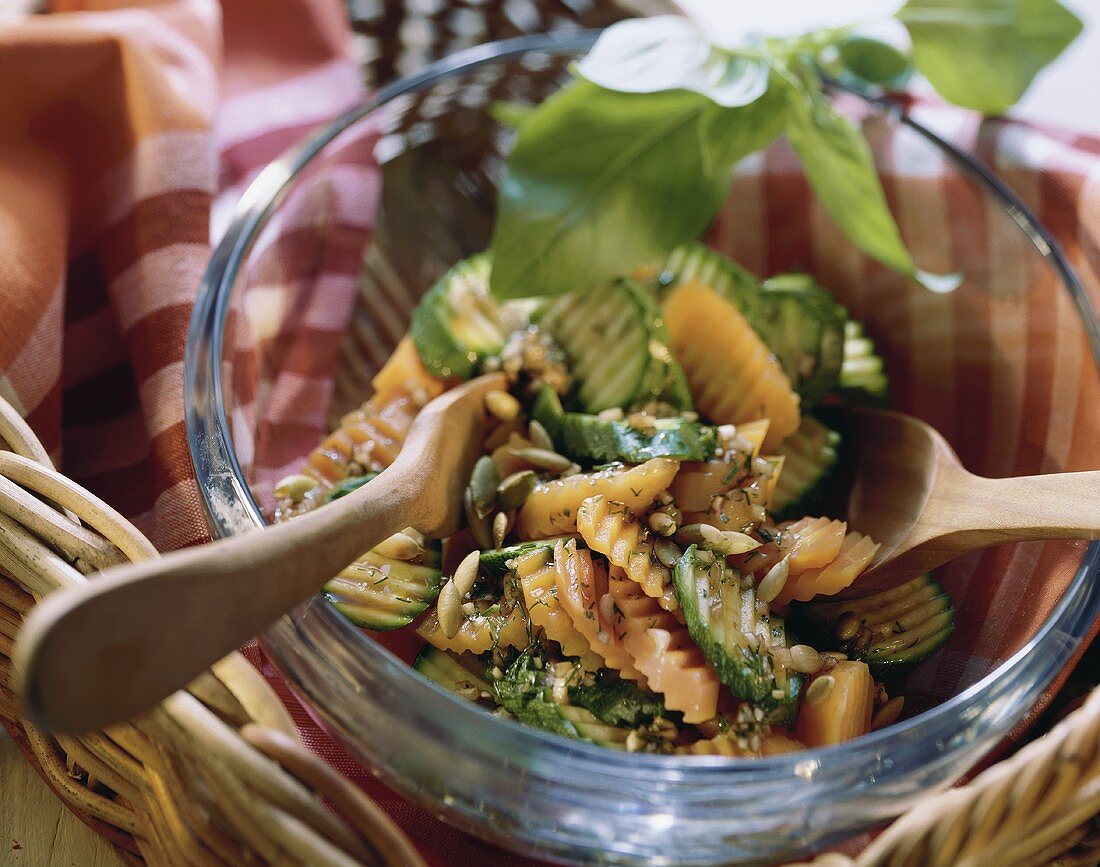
(478, 524)
(888, 714)
(771, 585)
(466, 573)
(862, 641)
(539, 436)
(805, 659)
(723, 542)
(448, 609)
(515, 489)
(483, 484)
(399, 546)
(544, 459)
(662, 523)
(819, 691)
(666, 552)
(502, 405)
(848, 626)
(294, 488)
(502, 523)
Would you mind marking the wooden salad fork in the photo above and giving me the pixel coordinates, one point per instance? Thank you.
(110, 649)
(913, 495)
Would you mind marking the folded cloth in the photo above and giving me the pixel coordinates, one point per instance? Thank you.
(128, 131)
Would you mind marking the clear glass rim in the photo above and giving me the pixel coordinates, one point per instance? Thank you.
(236, 510)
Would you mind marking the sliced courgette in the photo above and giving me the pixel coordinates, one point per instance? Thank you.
(589, 439)
(735, 633)
(381, 593)
(457, 323)
(811, 456)
(615, 701)
(803, 325)
(494, 563)
(862, 375)
(696, 261)
(548, 411)
(897, 628)
(525, 690)
(799, 321)
(617, 347)
(463, 674)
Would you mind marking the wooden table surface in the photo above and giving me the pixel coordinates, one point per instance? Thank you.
(37, 831)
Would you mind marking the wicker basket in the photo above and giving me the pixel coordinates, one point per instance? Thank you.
(216, 774)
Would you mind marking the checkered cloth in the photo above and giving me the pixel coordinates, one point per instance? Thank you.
(127, 132)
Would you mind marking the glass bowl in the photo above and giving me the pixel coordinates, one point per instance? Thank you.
(410, 177)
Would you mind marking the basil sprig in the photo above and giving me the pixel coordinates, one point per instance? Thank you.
(621, 166)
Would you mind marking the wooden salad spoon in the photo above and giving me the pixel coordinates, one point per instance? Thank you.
(110, 649)
(913, 495)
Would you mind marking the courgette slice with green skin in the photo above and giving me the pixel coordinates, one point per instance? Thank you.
(617, 346)
(494, 563)
(614, 701)
(799, 321)
(803, 325)
(589, 439)
(525, 692)
(457, 324)
(722, 618)
(863, 377)
(548, 411)
(906, 625)
(381, 593)
(696, 261)
(463, 674)
(812, 456)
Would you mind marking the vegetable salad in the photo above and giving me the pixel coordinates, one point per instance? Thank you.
(655, 530)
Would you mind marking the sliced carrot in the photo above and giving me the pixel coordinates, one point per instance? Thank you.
(843, 713)
(582, 586)
(404, 373)
(855, 555)
(538, 579)
(733, 376)
(817, 542)
(663, 651)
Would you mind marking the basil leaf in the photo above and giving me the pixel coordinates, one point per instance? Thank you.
(729, 135)
(599, 181)
(983, 54)
(510, 114)
(648, 55)
(735, 24)
(875, 62)
(839, 167)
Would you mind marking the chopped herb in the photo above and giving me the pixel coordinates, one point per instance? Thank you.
(731, 472)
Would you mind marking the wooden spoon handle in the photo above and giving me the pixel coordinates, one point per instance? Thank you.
(111, 648)
(1055, 506)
